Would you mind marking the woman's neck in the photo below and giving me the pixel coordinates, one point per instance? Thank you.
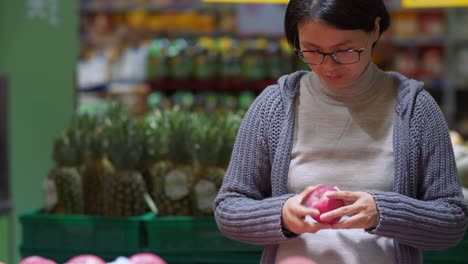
(361, 90)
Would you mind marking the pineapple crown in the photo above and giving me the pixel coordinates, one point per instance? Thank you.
(155, 127)
(69, 146)
(91, 125)
(97, 144)
(207, 138)
(181, 143)
(125, 139)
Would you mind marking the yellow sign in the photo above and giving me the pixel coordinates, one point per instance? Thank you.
(248, 1)
(406, 3)
(433, 3)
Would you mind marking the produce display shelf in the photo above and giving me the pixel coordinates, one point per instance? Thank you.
(61, 237)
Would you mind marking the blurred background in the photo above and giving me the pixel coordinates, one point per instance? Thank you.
(170, 62)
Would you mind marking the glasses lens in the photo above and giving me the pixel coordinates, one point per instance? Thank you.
(311, 57)
(346, 57)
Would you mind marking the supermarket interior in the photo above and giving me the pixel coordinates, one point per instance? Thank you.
(129, 87)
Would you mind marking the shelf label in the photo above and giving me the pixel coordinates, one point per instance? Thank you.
(248, 1)
(433, 3)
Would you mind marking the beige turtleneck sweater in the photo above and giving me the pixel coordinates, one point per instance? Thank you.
(343, 137)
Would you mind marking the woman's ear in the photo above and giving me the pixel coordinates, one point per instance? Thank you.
(376, 33)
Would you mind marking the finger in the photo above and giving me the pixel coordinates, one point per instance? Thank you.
(306, 225)
(308, 191)
(314, 226)
(343, 195)
(301, 211)
(349, 223)
(339, 212)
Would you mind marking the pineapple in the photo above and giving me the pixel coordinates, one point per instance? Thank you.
(127, 188)
(208, 175)
(155, 163)
(173, 187)
(68, 156)
(95, 171)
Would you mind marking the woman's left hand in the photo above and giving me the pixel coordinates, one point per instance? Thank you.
(359, 206)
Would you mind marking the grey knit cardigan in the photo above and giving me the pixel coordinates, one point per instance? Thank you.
(426, 209)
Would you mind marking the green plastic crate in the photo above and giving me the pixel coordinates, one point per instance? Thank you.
(76, 234)
(212, 258)
(455, 255)
(196, 240)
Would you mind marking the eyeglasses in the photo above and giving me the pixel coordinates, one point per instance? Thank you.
(340, 57)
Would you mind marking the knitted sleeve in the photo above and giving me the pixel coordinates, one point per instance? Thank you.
(436, 218)
(244, 208)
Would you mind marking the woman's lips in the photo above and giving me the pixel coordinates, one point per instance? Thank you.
(333, 77)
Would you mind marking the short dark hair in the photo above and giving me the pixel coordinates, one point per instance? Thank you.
(340, 14)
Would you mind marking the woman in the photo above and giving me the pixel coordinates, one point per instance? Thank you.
(378, 136)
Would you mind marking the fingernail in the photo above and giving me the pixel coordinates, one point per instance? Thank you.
(324, 216)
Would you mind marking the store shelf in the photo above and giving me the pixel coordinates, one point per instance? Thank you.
(418, 41)
(414, 34)
(233, 85)
(92, 6)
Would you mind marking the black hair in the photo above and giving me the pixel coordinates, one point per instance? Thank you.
(340, 14)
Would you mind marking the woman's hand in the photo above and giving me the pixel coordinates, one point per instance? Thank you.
(359, 206)
(294, 213)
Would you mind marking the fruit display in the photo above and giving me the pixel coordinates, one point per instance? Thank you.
(173, 196)
(138, 258)
(68, 154)
(171, 160)
(127, 188)
(96, 171)
(208, 174)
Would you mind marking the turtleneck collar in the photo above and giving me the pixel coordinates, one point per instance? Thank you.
(362, 90)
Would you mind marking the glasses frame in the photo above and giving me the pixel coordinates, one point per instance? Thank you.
(300, 54)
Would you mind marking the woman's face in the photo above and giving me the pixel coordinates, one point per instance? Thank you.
(316, 36)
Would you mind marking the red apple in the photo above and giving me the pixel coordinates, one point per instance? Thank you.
(319, 201)
(86, 259)
(296, 260)
(36, 260)
(146, 258)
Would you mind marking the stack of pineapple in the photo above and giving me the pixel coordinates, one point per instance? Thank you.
(208, 172)
(127, 187)
(68, 157)
(171, 161)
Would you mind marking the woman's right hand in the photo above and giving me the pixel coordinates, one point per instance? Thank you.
(294, 213)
